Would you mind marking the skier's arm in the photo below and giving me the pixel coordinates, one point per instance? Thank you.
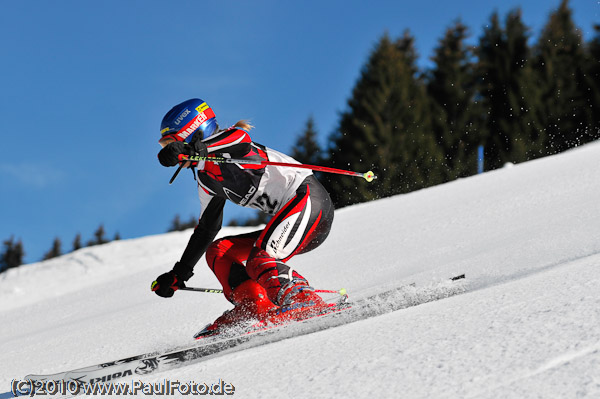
(208, 227)
(235, 142)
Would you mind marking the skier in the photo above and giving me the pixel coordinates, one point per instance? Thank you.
(251, 267)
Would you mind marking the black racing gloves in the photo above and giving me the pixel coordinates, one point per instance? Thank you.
(169, 156)
(166, 284)
(200, 148)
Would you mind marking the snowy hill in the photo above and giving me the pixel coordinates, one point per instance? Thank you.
(527, 237)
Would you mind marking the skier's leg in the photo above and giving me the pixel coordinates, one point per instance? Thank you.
(226, 258)
(300, 226)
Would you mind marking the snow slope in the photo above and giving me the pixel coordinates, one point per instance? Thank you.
(527, 237)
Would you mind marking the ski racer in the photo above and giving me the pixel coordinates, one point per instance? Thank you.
(251, 267)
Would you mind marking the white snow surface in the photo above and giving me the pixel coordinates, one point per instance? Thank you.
(528, 325)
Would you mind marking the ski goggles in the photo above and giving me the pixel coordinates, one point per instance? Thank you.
(166, 139)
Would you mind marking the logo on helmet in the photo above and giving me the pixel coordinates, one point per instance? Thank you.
(191, 128)
(182, 116)
(202, 107)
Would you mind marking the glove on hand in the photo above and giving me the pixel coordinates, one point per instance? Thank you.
(199, 147)
(166, 284)
(169, 156)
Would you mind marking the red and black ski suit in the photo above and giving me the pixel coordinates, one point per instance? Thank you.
(302, 215)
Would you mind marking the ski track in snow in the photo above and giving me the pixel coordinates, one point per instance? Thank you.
(527, 325)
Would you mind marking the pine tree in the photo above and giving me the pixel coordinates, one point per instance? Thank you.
(178, 225)
(457, 116)
(99, 237)
(306, 149)
(508, 93)
(560, 59)
(387, 129)
(592, 76)
(12, 254)
(175, 224)
(55, 251)
(77, 242)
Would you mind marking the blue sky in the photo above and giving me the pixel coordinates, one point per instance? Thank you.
(85, 85)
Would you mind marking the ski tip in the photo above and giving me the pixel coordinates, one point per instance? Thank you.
(205, 332)
(369, 176)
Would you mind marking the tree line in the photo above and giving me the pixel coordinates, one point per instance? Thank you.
(13, 252)
(416, 128)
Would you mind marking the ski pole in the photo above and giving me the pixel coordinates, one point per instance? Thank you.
(207, 290)
(219, 291)
(342, 292)
(176, 173)
(368, 176)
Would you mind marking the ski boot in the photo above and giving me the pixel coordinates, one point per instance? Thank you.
(297, 291)
(251, 304)
(299, 301)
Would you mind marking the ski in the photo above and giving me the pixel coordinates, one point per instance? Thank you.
(207, 346)
(142, 364)
(211, 346)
